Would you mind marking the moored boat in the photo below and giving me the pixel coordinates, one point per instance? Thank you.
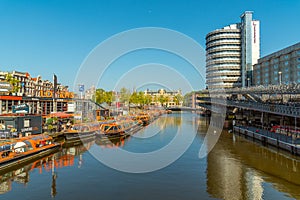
(112, 129)
(21, 150)
(144, 117)
(119, 128)
(81, 131)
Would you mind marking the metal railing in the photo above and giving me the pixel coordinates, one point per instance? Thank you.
(291, 139)
(287, 110)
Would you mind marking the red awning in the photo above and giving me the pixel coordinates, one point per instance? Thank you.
(61, 115)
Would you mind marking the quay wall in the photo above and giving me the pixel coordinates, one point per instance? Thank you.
(292, 148)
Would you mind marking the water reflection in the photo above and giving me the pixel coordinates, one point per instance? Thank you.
(64, 158)
(106, 142)
(239, 169)
(235, 169)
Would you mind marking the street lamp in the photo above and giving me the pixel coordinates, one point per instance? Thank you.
(248, 79)
(280, 77)
(280, 81)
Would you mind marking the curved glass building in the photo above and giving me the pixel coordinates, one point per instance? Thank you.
(231, 53)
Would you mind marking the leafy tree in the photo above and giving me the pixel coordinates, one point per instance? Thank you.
(109, 97)
(162, 99)
(167, 100)
(124, 95)
(141, 98)
(148, 99)
(13, 81)
(49, 121)
(102, 96)
(177, 99)
(134, 98)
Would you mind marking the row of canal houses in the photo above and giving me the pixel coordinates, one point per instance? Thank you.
(26, 101)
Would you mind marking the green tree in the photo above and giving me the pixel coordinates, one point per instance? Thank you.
(124, 95)
(162, 100)
(177, 99)
(148, 99)
(109, 97)
(14, 82)
(102, 96)
(141, 98)
(134, 98)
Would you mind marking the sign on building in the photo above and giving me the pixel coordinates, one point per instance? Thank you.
(81, 88)
(21, 108)
(71, 107)
(5, 87)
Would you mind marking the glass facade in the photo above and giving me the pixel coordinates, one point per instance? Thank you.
(230, 54)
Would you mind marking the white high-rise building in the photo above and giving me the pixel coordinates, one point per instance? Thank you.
(231, 53)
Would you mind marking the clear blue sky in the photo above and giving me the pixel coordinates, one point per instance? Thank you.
(43, 37)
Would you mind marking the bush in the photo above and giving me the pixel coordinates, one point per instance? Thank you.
(49, 121)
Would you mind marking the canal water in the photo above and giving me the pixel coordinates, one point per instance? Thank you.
(236, 168)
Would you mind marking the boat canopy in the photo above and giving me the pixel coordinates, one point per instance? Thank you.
(19, 144)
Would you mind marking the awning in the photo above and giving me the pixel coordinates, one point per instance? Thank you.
(61, 115)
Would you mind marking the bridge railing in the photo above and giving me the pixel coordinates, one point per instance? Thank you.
(288, 110)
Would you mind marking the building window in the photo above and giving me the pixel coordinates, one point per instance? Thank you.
(286, 63)
(286, 69)
(276, 60)
(298, 52)
(286, 57)
(298, 66)
(298, 59)
(275, 66)
(286, 76)
(266, 69)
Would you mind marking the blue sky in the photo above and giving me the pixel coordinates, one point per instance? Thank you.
(46, 37)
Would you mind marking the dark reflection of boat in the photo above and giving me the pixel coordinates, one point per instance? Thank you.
(64, 158)
(82, 141)
(15, 152)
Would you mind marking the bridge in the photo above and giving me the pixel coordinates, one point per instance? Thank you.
(184, 108)
(292, 110)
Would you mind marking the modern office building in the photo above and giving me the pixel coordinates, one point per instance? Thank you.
(281, 67)
(231, 53)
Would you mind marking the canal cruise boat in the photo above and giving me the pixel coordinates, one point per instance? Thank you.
(119, 128)
(81, 131)
(144, 117)
(22, 150)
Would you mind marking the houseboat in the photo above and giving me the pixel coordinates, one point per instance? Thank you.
(22, 150)
(79, 132)
(120, 128)
(144, 117)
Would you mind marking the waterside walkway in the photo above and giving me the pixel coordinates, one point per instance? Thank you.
(286, 142)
